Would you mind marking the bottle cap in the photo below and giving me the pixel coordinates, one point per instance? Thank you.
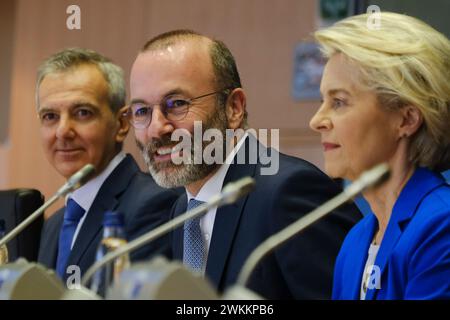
(113, 219)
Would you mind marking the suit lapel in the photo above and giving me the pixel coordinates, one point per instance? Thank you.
(50, 239)
(358, 258)
(178, 242)
(388, 243)
(91, 227)
(106, 199)
(417, 188)
(225, 226)
(227, 220)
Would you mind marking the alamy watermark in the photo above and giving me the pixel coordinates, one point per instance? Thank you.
(374, 19)
(217, 144)
(73, 281)
(374, 279)
(73, 21)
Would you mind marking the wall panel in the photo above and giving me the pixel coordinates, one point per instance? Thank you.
(261, 34)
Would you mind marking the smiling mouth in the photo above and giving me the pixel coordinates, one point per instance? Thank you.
(165, 153)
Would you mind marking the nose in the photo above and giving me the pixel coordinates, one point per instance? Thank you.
(65, 129)
(320, 121)
(159, 125)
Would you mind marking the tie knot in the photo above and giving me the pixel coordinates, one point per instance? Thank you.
(194, 250)
(194, 203)
(73, 211)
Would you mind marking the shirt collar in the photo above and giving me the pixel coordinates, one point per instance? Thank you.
(214, 184)
(86, 194)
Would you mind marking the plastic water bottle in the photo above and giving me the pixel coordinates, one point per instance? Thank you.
(113, 238)
(3, 248)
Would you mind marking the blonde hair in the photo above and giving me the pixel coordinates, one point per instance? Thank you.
(406, 62)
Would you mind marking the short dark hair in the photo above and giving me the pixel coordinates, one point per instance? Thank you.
(224, 65)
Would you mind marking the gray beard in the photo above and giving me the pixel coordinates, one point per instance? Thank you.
(184, 174)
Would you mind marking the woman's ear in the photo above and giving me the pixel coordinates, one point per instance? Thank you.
(412, 119)
(123, 125)
(235, 108)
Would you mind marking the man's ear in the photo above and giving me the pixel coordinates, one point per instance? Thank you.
(235, 108)
(412, 119)
(123, 124)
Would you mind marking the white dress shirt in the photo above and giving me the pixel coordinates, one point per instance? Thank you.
(212, 187)
(85, 195)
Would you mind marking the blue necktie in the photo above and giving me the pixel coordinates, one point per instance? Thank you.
(72, 216)
(194, 246)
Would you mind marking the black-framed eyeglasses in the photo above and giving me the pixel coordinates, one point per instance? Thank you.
(174, 108)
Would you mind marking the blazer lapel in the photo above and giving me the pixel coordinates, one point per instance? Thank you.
(177, 241)
(417, 188)
(388, 243)
(227, 221)
(50, 241)
(106, 199)
(91, 227)
(355, 269)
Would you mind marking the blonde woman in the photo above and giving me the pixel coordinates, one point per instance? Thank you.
(386, 98)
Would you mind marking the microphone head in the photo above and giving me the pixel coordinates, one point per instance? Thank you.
(234, 190)
(81, 177)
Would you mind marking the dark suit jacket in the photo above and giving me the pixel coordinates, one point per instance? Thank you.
(303, 267)
(128, 190)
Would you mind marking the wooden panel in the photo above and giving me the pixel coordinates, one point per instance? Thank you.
(6, 38)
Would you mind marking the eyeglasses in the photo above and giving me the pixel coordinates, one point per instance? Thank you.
(174, 108)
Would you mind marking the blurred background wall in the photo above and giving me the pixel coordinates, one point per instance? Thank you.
(262, 34)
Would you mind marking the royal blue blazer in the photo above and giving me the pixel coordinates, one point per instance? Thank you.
(414, 256)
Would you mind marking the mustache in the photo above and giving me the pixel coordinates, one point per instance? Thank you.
(155, 143)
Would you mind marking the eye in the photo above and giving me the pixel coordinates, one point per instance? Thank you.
(140, 111)
(337, 103)
(174, 103)
(48, 117)
(83, 113)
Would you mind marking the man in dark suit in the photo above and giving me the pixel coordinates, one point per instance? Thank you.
(81, 102)
(182, 79)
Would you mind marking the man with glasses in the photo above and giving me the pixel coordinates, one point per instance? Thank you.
(80, 98)
(181, 79)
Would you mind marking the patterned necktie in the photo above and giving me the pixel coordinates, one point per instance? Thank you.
(72, 216)
(194, 245)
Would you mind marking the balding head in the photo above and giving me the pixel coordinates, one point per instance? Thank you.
(224, 66)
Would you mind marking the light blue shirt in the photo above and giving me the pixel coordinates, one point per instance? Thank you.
(86, 194)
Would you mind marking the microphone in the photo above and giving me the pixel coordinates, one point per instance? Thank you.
(74, 182)
(368, 179)
(22, 280)
(160, 279)
(230, 193)
(77, 180)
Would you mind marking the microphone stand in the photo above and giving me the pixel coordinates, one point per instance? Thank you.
(230, 194)
(28, 220)
(74, 182)
(367, 179)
